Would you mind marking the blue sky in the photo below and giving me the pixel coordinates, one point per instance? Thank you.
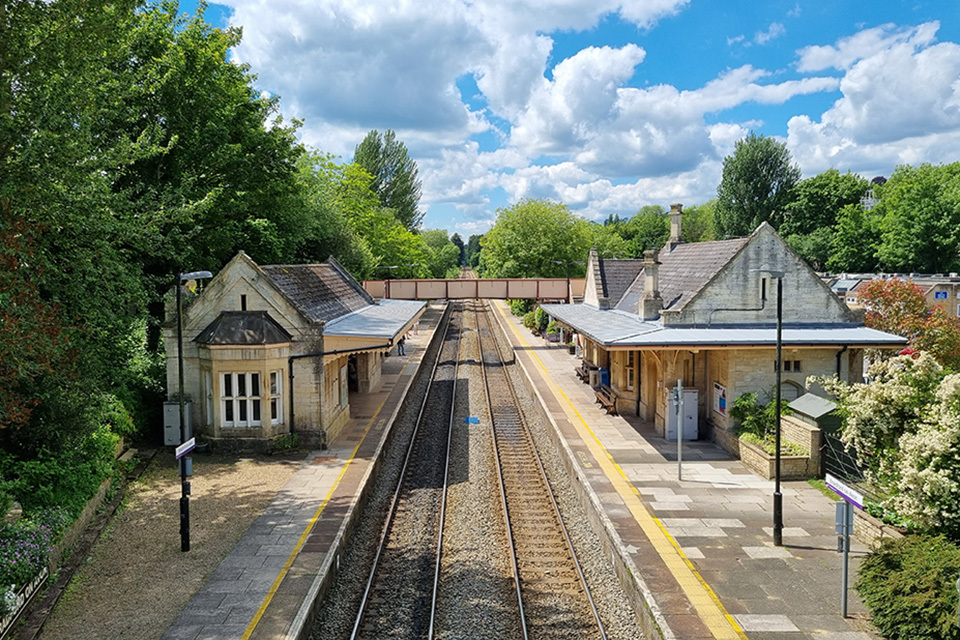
(607, 106)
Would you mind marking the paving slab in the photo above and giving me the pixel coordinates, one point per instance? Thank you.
(266, 586)
(700, 547)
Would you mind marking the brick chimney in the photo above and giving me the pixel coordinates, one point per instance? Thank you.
(651, 303)
(676, 217)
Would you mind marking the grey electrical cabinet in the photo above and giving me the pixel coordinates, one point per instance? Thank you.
(171, 422)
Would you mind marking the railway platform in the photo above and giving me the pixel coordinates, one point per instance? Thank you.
(699, 550)
(265, 587)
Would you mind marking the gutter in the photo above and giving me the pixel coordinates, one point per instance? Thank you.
(840, 353)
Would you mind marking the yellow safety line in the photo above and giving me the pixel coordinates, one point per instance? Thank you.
(306, 532)
(714, 615)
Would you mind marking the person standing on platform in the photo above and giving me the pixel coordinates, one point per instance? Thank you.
(400, 343)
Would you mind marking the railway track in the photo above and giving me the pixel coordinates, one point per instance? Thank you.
(539, 590)
(553, 596)
(400, 594)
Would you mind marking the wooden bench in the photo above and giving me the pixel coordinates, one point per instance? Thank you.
(607, 399)
(583, 372)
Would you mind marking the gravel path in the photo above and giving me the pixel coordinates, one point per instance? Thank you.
(136, 579)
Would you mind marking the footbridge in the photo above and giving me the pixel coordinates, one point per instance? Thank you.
(568, 289)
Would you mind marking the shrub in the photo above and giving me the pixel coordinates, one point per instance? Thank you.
(68, 478)
(25, 546)
(542, 319)
(553, 327)
(521, 307)
(530, 320)
(909, 585)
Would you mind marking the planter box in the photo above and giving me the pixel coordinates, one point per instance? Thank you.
(871, 531)
(763, 464)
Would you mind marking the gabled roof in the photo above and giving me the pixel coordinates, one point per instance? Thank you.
(683, 272)
(321, 292)
(243, 328)
(618, 275)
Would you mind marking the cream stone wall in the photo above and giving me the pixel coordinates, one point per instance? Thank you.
(241, 281)
(735, 294)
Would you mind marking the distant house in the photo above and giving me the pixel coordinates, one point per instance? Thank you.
(705, 313)
(253, 329)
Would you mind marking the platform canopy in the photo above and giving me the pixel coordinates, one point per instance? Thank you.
(376, 325)
(615, 329)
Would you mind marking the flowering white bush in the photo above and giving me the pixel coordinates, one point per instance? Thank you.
(904, 427)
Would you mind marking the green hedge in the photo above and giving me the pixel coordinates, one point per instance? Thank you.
(910, 587)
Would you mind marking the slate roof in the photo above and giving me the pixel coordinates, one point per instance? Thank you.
(683, 272)
(618, 275)
(243, 328)
(321, 292)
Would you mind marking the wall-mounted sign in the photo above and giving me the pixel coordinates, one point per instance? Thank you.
(940, 295)
(719, 398)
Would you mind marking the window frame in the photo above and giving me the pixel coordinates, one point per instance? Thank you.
(248, 404)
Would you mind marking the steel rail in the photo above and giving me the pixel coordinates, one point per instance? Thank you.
(446, 477)
(543, 475)
(503, 492)
(395, 501)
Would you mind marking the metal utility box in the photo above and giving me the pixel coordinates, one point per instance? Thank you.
(171, 422)
(594, 378)
(691, 410)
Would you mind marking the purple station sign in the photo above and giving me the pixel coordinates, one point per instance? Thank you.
(845, 491)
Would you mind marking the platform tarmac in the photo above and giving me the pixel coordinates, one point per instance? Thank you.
(700, 549)
(266, 586)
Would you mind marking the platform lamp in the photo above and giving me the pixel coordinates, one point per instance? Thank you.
(387, 268)
(184, 485)
(777, 495)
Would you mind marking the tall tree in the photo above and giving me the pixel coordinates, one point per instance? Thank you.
(472, 251)
(756, 184)
(394, 174)
(648, 229)
(699, 222)
(534, 237)
(816, 202)
(920, 219)
(442, 254)
(457, 240)
(855, 240)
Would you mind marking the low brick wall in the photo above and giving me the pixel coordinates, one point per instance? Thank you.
(764, 465)
(871, 531)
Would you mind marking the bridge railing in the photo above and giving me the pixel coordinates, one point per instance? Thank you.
(465, 289)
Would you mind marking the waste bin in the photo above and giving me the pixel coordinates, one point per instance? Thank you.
(605, 376)
(595, 378)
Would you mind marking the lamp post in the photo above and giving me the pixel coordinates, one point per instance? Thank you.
(387, 277)
(777, 495)
(184, 485)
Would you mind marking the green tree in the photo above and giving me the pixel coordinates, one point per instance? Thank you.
(442, 254)
(698, 222)
(394, 174)
(607, 242)
(472, 251)
(816, 202)
(334, 196)
(531, 238)
(756, 185)
(919, 210)
(814, 247)
(648, 229)
(855, 240)
(457, 240)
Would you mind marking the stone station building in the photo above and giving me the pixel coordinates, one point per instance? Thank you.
(260, 341)
(705, 313)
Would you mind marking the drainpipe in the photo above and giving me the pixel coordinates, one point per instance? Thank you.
(840, 353)
(318, 354)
